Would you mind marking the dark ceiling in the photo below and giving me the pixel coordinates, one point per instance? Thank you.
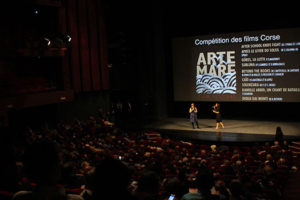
(200, 17)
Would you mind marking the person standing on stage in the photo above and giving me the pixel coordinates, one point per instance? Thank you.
(216, 110)
(193, 115)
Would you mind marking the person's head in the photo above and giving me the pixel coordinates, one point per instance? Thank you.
(148, 184)
(8, 169)
(269, 157)
(213, 147)
(42, 163)
(278, 130)
(204, 178)
(235, 188)
(219, 184)
(279, 135)
(238, 163)
(281, 162)
(192, 105)
(111, 177)
(193, 183)
(268, 170)
(267, 144)
(172, 185)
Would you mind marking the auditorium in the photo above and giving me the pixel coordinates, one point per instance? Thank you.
(149, 100)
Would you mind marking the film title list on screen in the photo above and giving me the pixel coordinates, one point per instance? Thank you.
(264, 70)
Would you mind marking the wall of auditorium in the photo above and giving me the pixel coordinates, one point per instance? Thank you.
(85, 104)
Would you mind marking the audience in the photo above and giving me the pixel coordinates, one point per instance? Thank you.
(92, 160)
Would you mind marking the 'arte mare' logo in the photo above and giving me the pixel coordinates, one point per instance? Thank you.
(216, 73)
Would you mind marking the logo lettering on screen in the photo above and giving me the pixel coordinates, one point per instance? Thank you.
(216, 73)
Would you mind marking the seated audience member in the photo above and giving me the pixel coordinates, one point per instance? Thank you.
(87, 192)
(43, 168)
(194, 193)
(270, 161)
(279, 135)
(205, 180)
(236, 190)
(285, 145)
(172, 185)
(213, 148)
(148, 186)
(111, 180)
(8, 169)
(219, 191)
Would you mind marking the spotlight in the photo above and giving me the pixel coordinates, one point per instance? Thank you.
(68, 38)
(65, 40)
(45, 42)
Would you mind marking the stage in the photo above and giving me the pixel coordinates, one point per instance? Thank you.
(234, 131)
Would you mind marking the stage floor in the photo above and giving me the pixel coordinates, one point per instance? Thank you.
(234, 131)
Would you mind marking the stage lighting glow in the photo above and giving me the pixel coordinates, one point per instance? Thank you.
(46, 41)
(36, 11)
(65, 39)
(68, 38)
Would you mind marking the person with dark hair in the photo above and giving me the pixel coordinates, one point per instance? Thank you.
(236, 190)
(205, 180)
(173, 185)
(194, 193)
(279, 135)
(42, 164)
(8, 169)
(216, 110)
(193, 115)
(148, 186)
(111, 180)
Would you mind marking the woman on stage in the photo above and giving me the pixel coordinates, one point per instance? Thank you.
(193, 115)
(216, 110)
